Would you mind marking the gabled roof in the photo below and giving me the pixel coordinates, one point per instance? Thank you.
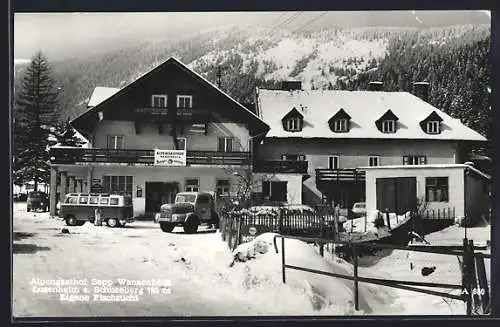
(388, 115)
(100, 94)
(364, 107)
(341, 114)
(261, 129)
(433, 116)
(293, 113)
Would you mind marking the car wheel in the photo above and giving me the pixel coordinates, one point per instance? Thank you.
(190, 226)
(112, 222)
(80, 223)
(167, 227)
(28, 209)
(71, 221)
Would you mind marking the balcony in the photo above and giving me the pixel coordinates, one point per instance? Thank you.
(163, 114)
(335, 176)
(281, 166)
(144, 157)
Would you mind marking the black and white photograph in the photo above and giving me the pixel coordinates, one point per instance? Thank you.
(251, 163)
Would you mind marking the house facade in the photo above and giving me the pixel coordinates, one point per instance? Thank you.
(170, 130)
(337, 132)
(460, 188)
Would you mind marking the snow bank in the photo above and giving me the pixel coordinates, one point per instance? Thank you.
(358, 224)
(325, 295)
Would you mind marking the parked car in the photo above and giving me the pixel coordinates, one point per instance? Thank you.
(359, 209)
(190, 210)
(37, 200)
(78, 208)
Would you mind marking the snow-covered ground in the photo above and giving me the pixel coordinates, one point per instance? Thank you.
(203, 280)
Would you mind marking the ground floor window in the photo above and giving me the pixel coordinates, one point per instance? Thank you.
(414, 160)
(274, 191)
(192, 185)
(222, 187)
(118, 184)
(436, 189)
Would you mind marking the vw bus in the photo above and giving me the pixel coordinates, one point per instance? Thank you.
(190, 210)
(116, 210)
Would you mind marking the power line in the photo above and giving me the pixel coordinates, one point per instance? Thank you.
(278, 19)
(286, 22)
(312, 21)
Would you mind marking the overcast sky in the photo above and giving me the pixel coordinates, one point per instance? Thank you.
(67, 34)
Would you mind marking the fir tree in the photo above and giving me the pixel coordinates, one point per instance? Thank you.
(35, 106)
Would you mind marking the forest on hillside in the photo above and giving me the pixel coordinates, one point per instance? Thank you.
(454, 60)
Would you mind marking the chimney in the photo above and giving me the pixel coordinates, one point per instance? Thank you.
(290, 85)
(376, 86)
(421, 89)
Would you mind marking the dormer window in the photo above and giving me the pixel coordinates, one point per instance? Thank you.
(433, 127)
(339, 123)
(388, 126)
(184, 101)
(432, 123)
(159, 101)
(293, 121)
(388, 122)
(292, 124)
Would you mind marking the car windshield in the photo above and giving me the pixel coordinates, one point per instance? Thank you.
(36, 195)
(187, 198)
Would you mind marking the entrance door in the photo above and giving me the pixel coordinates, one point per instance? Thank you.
(158, 193)
(397, 194)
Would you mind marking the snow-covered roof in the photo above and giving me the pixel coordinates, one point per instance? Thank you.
(100, 94)
(364, 107)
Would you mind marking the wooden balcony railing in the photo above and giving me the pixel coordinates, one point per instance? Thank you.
(281, 166)
(66, 155)
(339, 175)
(164, 114)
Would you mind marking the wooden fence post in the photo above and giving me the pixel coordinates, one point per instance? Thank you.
(230, 230)
(483, 282)
(466, 278)
(321, 235)
(473, 279)
(283, 259)
(356, 293)
(388, 219)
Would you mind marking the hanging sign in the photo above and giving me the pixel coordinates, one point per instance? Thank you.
(170, 157)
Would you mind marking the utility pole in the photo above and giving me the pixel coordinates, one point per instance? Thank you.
(219, 77)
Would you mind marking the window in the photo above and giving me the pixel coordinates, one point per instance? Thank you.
(72, 200)
(84, 200)
(104, 200)
(222, 187)
(184, 101)
(192, 185)
(225, 144)
(94, 200)
(181, 143)
(159, 101)
(373, 161)
(433, 127)
(203, 198)
(115, 142)
(293, 157)
(436, 189)
(340, 125)
(414, 160)
(293, 124)
(113, 201)
(274, 191)
(388, 126)
(333, 162)
(118, 184)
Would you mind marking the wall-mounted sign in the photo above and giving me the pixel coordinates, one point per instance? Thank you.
(170, 157)
(249, 233)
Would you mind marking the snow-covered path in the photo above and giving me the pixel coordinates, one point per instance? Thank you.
(202, 283)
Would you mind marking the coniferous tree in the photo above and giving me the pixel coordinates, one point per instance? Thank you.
(35, 112)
